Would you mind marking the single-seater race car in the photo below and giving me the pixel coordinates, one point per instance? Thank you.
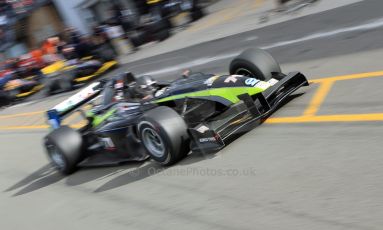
(64, 75)
(14, 88)
(18, 89)
(15, 82)
(134, 118)
(28, 67)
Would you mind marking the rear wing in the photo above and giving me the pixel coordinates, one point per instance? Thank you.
(58, 113)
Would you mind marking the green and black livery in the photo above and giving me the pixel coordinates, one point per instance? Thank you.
(202, 113)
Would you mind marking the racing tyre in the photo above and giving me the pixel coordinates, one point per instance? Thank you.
(48, 88)
(197, 14)
(138, 38)
(66, 84)
(164, 135)
(168, 23)
(106, 54)
(5, 99)
(64, 148)
(159, 25)
(255, 62)
(163, 35)
(13, 94)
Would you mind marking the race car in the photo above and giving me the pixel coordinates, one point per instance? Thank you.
(138, 118)
(18, 89)
(64, 75)
(28, 67)
(5, 77)
(159, 27)
(170, 8)
(15, 88)
(175, 7)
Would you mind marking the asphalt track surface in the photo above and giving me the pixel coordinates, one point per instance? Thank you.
(315, 164)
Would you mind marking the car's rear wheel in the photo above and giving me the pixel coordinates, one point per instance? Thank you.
(5, 98)
(13, 93)
(197, 14)
(255, 63)
(64, 149)
(66, 83)
(138, 38)
(105, 54)
(164, 135)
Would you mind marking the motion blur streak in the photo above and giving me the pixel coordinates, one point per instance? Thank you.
(363, 27)
(373, 24)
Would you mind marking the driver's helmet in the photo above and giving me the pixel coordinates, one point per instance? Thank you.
(145, 86)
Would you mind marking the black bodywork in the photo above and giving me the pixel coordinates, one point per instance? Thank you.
(212, 121)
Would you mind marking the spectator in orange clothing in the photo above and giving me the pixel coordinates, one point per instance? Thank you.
(50, 45)
(50, 50)
(37, 55)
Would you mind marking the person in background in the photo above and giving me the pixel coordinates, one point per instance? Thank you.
(37, 55)
(50, 50)
(33, 63)
(116, 15)
(100, 39)
(72, 36)
(85, 47)
(69, 52)
(155, 8)
(50, 45)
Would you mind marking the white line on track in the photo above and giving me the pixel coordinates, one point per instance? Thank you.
(370, 25)
(20, 105)
(364, 27)
(251, 38)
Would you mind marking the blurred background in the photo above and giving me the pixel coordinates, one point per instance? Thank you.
(25, 25)
(314, 164)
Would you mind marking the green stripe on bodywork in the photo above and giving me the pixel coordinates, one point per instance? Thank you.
(97, 120)
(230, 93)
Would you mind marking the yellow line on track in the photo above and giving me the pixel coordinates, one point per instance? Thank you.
(25, 127)
(318, 98)
(71, 118)
(78, 125)
(257, 4)
(349, 77)
(29, 127)
(327, 118)
(21, 114)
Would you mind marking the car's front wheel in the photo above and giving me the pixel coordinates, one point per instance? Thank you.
(255, 63)
(64, 149)
(164, 135)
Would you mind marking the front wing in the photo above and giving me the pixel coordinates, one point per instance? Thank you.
(244, 115)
